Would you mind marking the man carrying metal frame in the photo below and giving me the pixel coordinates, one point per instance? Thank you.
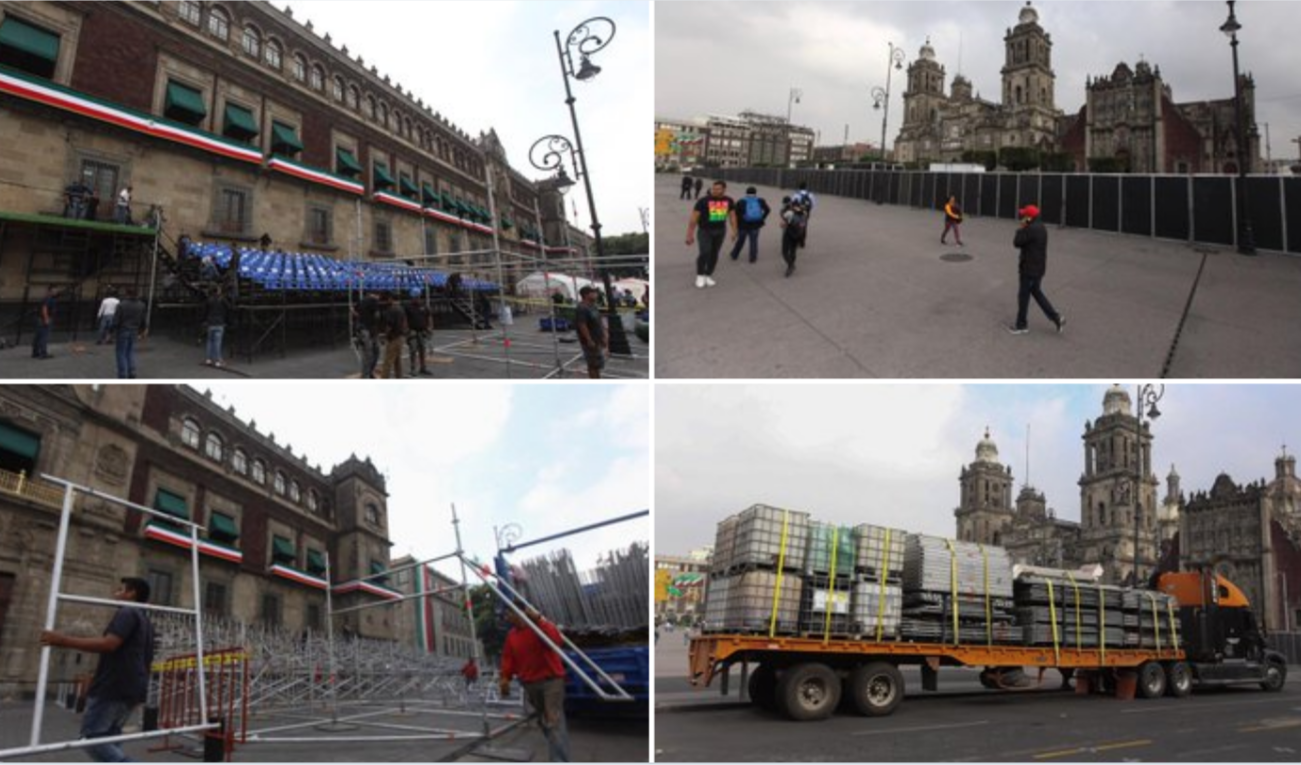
(121, 681)
(541, 673)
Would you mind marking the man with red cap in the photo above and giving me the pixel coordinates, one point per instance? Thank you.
(1032, 241)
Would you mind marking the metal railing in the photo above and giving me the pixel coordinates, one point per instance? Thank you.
(34, 489)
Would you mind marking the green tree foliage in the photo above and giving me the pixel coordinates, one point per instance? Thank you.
(1018, 159)
(987, 158)
(1108, 165)
(490, 630)
(1058, 162)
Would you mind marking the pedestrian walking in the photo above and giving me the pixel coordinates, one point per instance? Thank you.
(394, 320)
(805, 199)
(217, 308)
(540, 672)
(687, 183)
(129, 325)
(104, 316)
(122, 212)
(417, 334)
(470, 671)
(45, 324)
(699, 183)
(712, 216)
(952, 219)
(121, 679)
(1032, 240)
(752, 213)
(795, 222)
(366, 328)
(591, 332)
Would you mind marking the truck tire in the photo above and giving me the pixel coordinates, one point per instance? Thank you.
(1275, 676)
(1178, 679)
(808, 692)
(1151, 680)
(877, 688)
(763, 687)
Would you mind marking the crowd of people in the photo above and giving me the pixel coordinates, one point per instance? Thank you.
(385, 325)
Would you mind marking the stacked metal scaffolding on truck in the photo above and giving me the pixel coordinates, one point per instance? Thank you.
(612, 596)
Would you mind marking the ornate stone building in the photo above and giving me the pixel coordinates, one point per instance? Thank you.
(940, 128)
(436, 624)
(271, 517)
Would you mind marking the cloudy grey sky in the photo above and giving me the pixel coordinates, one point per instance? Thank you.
(891, 454)
(723, 57)
(493, 65)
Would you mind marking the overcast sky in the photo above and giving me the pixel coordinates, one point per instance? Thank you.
(548, 458)
(836, 52)
(493, 65)
(891, 454)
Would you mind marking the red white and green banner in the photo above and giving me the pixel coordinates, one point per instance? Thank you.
(367, 587)
(313, 175)
(44, 92)
(179, 539)
(530, 243)
(439, 215)
(300, 577)
(400, 202)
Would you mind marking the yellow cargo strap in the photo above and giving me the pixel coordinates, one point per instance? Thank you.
(1052, 615)
(880, 601)
(953, 577)
(989, 624)
(1102, 626)
(831, 595)
(1156, 622)
(781, 564)
(1170, 609)
(1079, 638)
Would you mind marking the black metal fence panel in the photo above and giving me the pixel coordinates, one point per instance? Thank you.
(1077, 201)
(1172, 208)
(1050, 198)
(1266, 195)
(1136, 204)
(926, 196)
(989, 195)
(1007, 196)
(896, 181)
(1292, 198)
(1027, 191)
(1106, 203)
(1213, 210)
(971, 192)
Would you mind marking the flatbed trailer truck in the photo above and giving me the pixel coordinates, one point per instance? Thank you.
(807, 678)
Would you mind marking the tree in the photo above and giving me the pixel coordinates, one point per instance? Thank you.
(1018, 159)
(975, 157)
(489, 629)
(1058, 162)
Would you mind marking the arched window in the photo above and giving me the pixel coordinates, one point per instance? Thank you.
(275, 54)
(370, 107)
(295, 491)
(239, 461)
(353, 97)
(190, 12)
(259, 472)
(252, 42)
(214, 447)
(190, 433)
(336, 88)
(318, 77)
(383, 114)
(219, 24)
(300, 67)
(279, 484)
(372, 513)
(312, 502)
(406, 126)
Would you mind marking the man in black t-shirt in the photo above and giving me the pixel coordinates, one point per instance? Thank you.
(711, 216)
(393, 326)
(591, 332)
(417, 333)
(121, 681)
(367, 328)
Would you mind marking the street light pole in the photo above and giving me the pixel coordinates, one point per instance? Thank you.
(1246, 237)
(880, 97)
(1148, 395)
(794, 98)
(586, 41)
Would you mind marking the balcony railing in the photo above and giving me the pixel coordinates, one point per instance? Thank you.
(33, 489)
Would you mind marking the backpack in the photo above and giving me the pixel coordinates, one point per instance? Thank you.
(753, 212)
(804, 197)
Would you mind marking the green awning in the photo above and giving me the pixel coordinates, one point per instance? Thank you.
(222, 528)
(184, 104)
(346, 164)
(428, 195)
(315, 561)
(377, 568)
(282, 549)
(18, 441)
(407, 188)
(507, 223)
(284, 137)
(382, 179)
(462, 208)
(33, 41)
(449, 202)
(240, 123)
(172, 504)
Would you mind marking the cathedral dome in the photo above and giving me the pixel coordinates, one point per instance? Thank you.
(987, 450)
(1028, 14)
(927, 52)
(1116, 401)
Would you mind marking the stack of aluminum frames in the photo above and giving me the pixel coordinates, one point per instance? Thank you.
(1078, 607)
(830, 545)
(762, 537)
(878, 549)
(979, 610)
(748, 601)
(613, 597)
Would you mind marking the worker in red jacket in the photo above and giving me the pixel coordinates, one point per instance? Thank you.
(542, 674)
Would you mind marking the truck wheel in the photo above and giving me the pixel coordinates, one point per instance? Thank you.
(1179, 679)
(763, 687)
(1275, 676)
(808, 692)
(877, 688)
(1151, 680)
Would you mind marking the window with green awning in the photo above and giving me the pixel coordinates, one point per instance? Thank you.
(428, 195)
(383, 180)
(184, 104)
(461, 208)
(406, 187)
(315, 561)
(345, 163)
(377, 567)
(284, 139)
(222, 528)
(282, 551)
(240, 124)
(172, 504)
(449, 202)
(507, 223)
(19, 442)
(28, 47)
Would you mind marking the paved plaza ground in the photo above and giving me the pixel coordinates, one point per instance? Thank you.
(456, 354)
(875, 294)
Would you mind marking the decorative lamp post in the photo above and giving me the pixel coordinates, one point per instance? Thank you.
(1246, 237)
(588, 38)
(1148, 396)
(880, 96)
(794, 98)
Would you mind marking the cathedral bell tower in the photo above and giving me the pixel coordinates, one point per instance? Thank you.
(923, 102)
(1028, 81)
(986, 511)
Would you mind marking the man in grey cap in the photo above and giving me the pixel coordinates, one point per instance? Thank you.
(751, 213)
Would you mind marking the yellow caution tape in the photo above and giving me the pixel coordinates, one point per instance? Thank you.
(1102, 626)
(880, 601)
(953, 577)
(1174, 633)
(1079, 645)
(1052, 615)
(831, 596)
(1156, 621)
(189, 662)
(781, 564)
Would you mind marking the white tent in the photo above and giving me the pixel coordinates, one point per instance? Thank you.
(545, 285)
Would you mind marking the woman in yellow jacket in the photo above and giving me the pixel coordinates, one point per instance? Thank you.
(952, 217)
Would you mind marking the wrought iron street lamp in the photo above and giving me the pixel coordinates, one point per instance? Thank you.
(1246, 237)
(882, 96)
(1148, 396)
(586, 39)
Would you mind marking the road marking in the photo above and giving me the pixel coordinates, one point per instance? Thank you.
(1272, 725)
(919, 729)
(1098, 748)
(1176, 706)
